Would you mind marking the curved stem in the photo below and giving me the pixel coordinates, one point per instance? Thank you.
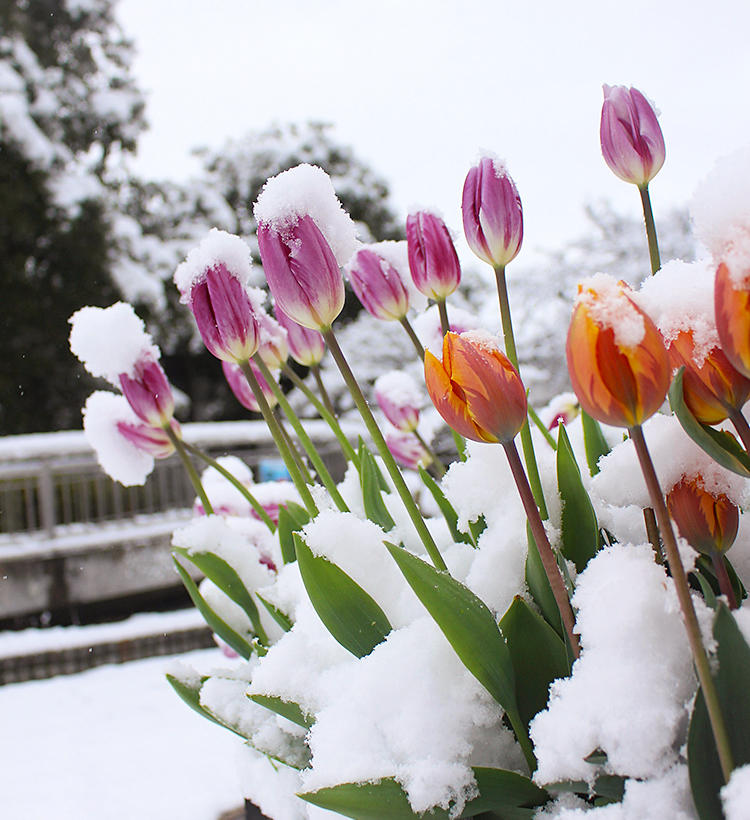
(648, 217)
(304, 439)
(741, 426)
(195, 480)
(546, 553)
(725, 585)
(411, 333)
(293, 449)
(443, 311)
(439, 466)
(327, 416)
(510, 348)
(235, 482)
(539, 424)
(279, 440)
(385, 454)
(315, 368)
(692, 628)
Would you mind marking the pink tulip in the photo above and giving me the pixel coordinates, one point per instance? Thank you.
(632, 142)
(306, 346)
(407, 450)
(398, 398)
(148, 392)
(492, 213)
(273, 347)
(433, 260)
(302, 272)
(241, 389)
(150, 439)
(378, 285)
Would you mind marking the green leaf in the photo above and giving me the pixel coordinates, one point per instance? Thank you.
(512, 795)
(477, 528)
(362, 448)
(446, 508)
(538, 655)
(292, 518)
(732, 681)
(353, 618)
(370, 479)
(281, 618)
(721, 446)
(219, 626)
(580, 530)
(225, 577)
(593, 441)
(539, 586)
(286, 708)
(191, 696)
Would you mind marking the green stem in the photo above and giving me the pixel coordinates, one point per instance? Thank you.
(410, 332)
(315, 368)
(279, 440)
(741, 426)
(235, 482)
(539, 424)
(510, 348)
(379, 441)
(195, 480)
(293, 449)
(439, 466)
(725, 585)
(549, 562)
(443, 311)
(692, 628)
(325, 414)
(648, 217)
(304, 439)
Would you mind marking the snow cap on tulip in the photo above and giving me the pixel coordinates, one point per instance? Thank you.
(398, 397)
(475, 388)
(631, 139)
(433, 260)
(617, 361)
(304, 236)
(377, 284)
(242, 390)
(213, 282)
(492, 213)
(708, 521)
(407, 450)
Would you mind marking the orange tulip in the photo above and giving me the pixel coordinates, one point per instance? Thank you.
(732, 308)
(707, 521)
(475, 388)
(712, 389)
(618, 365)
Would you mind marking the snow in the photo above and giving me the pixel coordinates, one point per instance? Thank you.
(603, 298)
(219, 247)
(735, 796)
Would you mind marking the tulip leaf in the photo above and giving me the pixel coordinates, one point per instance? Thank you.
(446, 508)
(477, 527)
(580, 530)
(362, 448)
(292, 518)
(732, 680)
(232, 638)
(720, 445)
(538, 655)
(593, 441)
(370, 479)
(281, 618)
(705, 574)
(190, 694)
(352, 617)
(539, 586)
(286, 708)
(225, 577)
(511, 795)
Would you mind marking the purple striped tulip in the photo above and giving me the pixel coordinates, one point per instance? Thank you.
(632, 142)
(302, 273)
(273, 347)
(492, 213)
(433, 260)
(407, 450)
(148, 392)
(224, 315)
(241, 389)
(306, 346)
(378, 285)
(150, 439)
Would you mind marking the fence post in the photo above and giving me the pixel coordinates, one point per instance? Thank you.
(47, 499)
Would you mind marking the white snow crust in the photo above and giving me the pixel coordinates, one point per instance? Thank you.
(217, 247)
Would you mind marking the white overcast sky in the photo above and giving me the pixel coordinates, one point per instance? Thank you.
(420, 87)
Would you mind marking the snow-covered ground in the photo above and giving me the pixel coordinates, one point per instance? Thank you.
(113, 743)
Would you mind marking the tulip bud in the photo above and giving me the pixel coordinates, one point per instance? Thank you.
(243, 393)
(148, 392)
(707, 521)
(306, 346)
(632, 142)
(433, 260)
(492, 213)
(273, 348)
(732, 309)
(712, 388)
(407, 450)
(213, 281)
(475, 388)
(617, 361)
(378, 285)
(398, 398)
(150, 439)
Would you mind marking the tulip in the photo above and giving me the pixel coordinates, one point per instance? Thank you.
(712, 388)
(378, 285)
(617, 361)
(148, 392)
(632, 142)
(241, 389)
(433, 260)
(302, 272)
(149, 439)
(306, 346)
(707, 521)
(475, 388)
(398, 397)
(732, 309)
(492, 213)
(407, 450)
(273, 347)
